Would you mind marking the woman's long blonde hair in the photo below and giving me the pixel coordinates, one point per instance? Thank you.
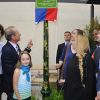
(81, 49)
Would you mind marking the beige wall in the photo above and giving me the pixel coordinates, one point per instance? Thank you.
(97, 11)
(21, 15)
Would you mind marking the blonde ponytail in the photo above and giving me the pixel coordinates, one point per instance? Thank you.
(81, 49)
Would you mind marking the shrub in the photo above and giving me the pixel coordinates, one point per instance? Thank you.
(33, 98)
(55, 95)
(94, 24)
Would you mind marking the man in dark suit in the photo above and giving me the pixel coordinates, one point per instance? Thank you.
(97, 63)
(95, 43)
(10, 56)
(67, 37)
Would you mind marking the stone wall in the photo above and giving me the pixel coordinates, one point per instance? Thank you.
(21, 15)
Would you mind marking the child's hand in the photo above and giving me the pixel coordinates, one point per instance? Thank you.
(19, 99)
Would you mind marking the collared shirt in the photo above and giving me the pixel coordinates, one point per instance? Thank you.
(98, 46)
(1, 45)
(66, 43)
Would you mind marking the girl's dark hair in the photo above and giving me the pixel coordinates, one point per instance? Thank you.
(2, 32)
(19, 61)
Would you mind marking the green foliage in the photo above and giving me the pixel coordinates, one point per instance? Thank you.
(55, 95)
(33, 98)
(94, 24)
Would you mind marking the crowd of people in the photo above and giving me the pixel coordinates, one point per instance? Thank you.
(78, 66)
(77, 63)
(14, 78)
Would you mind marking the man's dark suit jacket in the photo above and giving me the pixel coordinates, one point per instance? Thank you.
(97, 58)
(9, 59)
(59, 51)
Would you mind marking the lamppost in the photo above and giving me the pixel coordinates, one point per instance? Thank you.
(46, 88)
(46, 10)
(92, 12)
(91, 9)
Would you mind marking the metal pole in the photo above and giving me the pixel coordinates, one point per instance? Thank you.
(46, 88)
(92, 13)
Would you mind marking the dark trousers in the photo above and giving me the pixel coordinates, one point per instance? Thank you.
(8, 86)
(24, 99)
(1, 85)
(9, 96)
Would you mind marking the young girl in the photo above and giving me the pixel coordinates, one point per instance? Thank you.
(22, 78)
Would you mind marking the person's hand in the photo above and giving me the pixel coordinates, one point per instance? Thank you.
(58, 66)
(30, 44)
(19, 98)
(97, 97)
(62, 81)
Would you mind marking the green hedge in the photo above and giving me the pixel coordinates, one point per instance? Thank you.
(94, 24)
(55, 95)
